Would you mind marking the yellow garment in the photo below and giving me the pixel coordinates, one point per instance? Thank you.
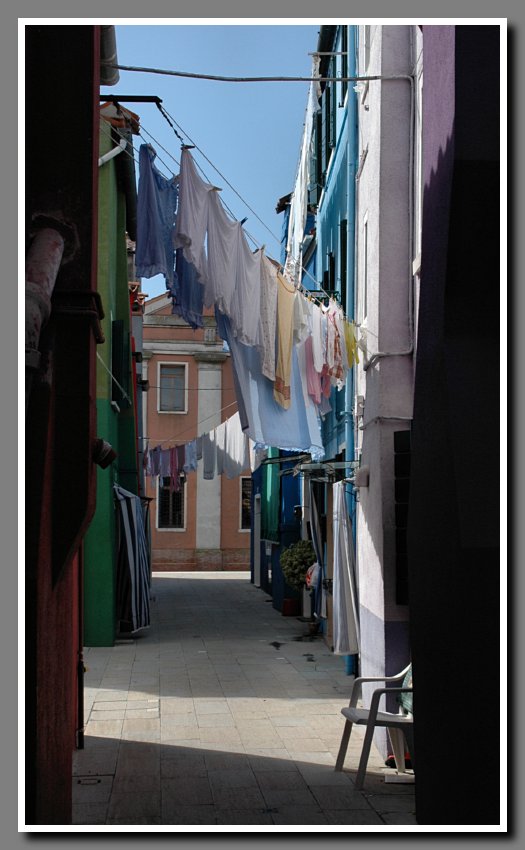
(283, 368)
(351, 343)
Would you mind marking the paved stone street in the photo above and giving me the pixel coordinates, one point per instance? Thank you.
(223, 712)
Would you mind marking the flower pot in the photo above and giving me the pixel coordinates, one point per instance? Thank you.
(291, 607)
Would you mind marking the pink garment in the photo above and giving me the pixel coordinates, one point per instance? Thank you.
(317, 338)
(268, 317)
(313, 377)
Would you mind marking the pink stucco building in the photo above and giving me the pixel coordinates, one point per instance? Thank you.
(190, 391)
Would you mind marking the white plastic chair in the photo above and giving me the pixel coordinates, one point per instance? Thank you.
(397, 724)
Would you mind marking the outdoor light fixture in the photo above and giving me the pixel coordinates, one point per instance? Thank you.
(103, 453)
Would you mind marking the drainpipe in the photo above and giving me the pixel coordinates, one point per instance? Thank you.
(122, 145)
(350, 235)
(43, 262)
(351, 660)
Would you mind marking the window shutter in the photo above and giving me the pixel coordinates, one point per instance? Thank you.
(326, 131)
(343, 263)
(344, 63)
(313, 193)
(119, 363)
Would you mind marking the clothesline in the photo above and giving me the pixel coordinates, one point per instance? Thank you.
(306, 292)
(201, 422)
(225, 449)
(288, 348)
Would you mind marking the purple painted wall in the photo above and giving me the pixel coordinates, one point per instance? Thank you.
(453, 534)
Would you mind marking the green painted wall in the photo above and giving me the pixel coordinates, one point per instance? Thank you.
(100, 555)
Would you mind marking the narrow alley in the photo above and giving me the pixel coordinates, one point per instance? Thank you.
(222, 713)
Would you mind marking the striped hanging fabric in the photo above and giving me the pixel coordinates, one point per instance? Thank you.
(345, 603)
(133, 571)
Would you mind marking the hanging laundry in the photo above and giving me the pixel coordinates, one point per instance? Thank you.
(133, 565)
(155, 461)
(236, 455)
(268, 317)
(187, 294)
(223, 256)
(220, 440)
(165, 463)
(345, 605)
(192, 215)
(174, 471)
(190, 458)
(209, 455)
(181, 457)
(156, 212)
(351, 342)
(266, 422)
(339, 323)
(198, 448)
(299, 203)
(285, 307)
(312, 376)
(300, 317)
(317, 338)
(244, 311)
(334, 357)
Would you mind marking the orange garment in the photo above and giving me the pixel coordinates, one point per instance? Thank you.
(285, 313)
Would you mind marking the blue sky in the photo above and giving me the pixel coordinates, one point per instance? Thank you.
(250, 131)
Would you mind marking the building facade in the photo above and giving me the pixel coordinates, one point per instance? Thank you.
(454, 566)
(116, 395)
(386, 238)
(205, 526)
(63, 330)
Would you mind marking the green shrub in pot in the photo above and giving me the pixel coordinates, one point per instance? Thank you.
(295, 561)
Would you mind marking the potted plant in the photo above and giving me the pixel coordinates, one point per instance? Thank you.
(295, 561)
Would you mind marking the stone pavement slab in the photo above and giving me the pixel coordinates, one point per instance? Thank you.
(223, 712)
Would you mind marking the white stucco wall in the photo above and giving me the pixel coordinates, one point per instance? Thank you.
(383, 204)
(209, 492)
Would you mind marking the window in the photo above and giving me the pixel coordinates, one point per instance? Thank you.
(170, 506)
(246, 504)
(343, 264)
(172, 391)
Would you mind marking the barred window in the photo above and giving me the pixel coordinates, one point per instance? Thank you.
(170, 505)
(246, 503)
